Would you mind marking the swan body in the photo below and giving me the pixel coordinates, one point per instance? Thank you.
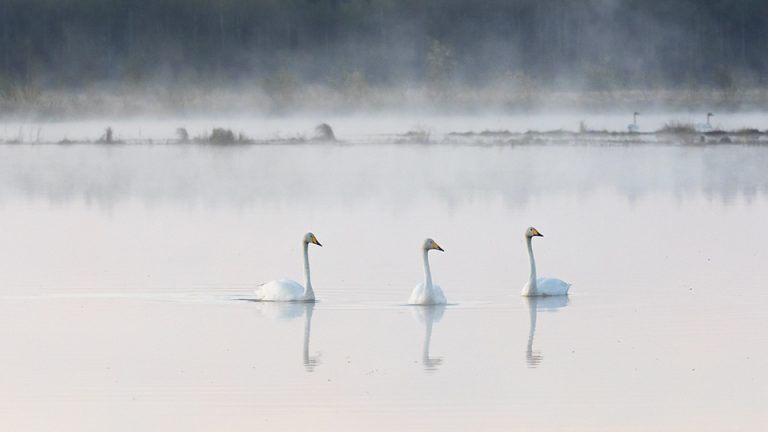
(541, 286)
(547, 287)
(282, 290)
(423, 295)
(633, 127)
(286, 290)
(427, 293)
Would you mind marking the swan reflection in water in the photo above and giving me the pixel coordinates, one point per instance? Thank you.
(428, 315)
(535, 304)
(287, 311)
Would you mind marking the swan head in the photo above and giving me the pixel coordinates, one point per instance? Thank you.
(431, 244)
(310, 238)
(532, 232)
(636, 114)
(709, 114)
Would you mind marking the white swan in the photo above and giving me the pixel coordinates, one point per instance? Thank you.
(426, 293)
(541, 286)
(288, 290)
(633, 127)
(704, 127)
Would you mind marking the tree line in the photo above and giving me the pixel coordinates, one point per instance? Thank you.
(593, 43)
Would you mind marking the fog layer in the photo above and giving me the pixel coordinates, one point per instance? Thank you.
(285, 55)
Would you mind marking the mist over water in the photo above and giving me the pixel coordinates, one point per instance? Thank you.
(388, 176)
(160, 160)
(124, 268)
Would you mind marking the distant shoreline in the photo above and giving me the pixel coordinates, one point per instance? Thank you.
(487, 138)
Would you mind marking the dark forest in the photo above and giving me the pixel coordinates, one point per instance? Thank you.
(590, 45)
(631, 42)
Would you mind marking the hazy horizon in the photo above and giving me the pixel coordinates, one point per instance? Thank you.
(80, 57)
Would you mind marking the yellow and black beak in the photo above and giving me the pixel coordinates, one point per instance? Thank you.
(314, 240)
(437, 246)
(536, 233)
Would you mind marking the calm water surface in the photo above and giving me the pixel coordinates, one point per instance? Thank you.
(123, 269)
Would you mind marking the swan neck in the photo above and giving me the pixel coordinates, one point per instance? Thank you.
(309, 294)
(532, 281)
(427, 272)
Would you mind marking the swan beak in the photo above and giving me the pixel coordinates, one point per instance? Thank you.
(536, 233)
(437, 246)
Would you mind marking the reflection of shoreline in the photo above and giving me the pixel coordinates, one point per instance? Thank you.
(287, 311)
(534, 357)
(253, 175)
(428, 315)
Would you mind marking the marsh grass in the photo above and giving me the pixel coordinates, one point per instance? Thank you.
(417, 135)
(677, 128)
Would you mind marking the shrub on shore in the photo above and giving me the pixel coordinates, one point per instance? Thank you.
(224, 136)
(677, 128)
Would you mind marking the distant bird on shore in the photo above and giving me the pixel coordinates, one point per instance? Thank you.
(633, 127)
(704, 127)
